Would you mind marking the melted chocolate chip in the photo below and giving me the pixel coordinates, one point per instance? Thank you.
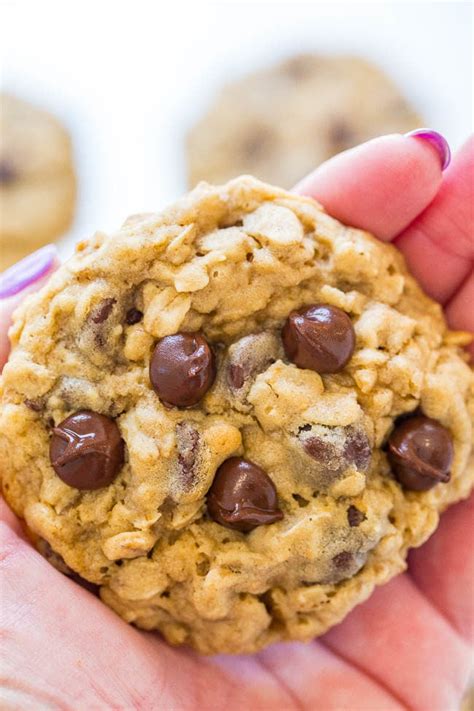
(182, 369)
(322, 451)
(102, 312)
(8, 173)
(355, 516)
(357, 449)
(343, 560)
(242, 496)
(133, 316)
(86, 450)
(247, 358)
(188, 439)
(236, 376)
(319, 337)
(336, 448)
(421, 452)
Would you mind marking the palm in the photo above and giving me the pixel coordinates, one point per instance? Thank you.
(377, 659)
(404, 648)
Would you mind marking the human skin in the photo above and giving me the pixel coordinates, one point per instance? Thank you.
(407, 647)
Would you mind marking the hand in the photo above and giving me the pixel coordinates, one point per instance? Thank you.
(406, 648)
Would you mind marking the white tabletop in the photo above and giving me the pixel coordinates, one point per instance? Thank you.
(128, 78)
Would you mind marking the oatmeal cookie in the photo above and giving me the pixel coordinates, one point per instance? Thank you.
(281, 122)
(235, 417)
(37, 183)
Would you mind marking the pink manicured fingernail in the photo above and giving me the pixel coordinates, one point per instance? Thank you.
(437, 141)
(26, 272)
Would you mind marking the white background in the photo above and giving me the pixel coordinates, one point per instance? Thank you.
(128, 78)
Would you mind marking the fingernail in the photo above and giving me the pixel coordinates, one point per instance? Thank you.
(27, 271)
(437, 141)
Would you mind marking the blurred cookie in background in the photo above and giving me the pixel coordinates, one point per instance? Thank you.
(280, 123)
(37, 181)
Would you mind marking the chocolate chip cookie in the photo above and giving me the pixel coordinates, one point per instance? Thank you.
(235, 417)
(37, 183)
(281, 122)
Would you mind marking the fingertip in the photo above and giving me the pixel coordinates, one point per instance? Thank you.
(20, 280)
(439, 245)
(380, 186)
(27, 271)
(437, 141)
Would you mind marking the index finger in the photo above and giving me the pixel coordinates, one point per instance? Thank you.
(380, 186)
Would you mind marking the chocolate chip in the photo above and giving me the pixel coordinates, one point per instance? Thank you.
(86, 450)
(236, 376)
(133, 316)
(242, 496)
(319, 337)
(247, 358)
(355, 516)
(300, 500)
(336, 448)
(322, 451)
(86, 584)
(357, 449)
(102, 312)
(257, 142)
(187, 438)
(343, 560)
(344, 565)
(421, 452)
(8, 172)
(299, 67)
(57, 561)
(341, 136)
(182, 369)
(35, 405)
